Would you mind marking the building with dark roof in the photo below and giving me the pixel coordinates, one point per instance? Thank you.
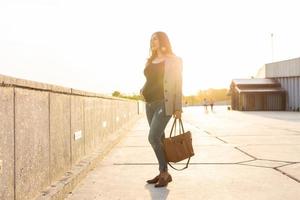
(276, 87)
(257, 94)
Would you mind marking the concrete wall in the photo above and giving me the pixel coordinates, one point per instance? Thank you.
(7, 143)
(45, 130)
(60, 135)
(32, 144)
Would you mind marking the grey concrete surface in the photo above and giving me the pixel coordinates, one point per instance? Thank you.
(99, 115)
(238, 155)
(105, 122)
(7, 143)
(77, 125)
(60, 143)
(31, 142)
(89, 124)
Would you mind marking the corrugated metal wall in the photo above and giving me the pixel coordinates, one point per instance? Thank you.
(262, 101)
(274, 102)
(287, 72)
(292, 86)
(286, 68)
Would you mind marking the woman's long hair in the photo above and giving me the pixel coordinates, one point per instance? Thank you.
(164, 45)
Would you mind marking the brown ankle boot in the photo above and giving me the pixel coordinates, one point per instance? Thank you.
(163, 182)
(154, 180)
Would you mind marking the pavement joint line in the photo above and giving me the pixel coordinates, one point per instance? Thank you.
(190, 123)
(285, 129)
(194, 145)
(197, 127)
(140, 146)
(245, 153)
(285, 165)
(256, 165)
(278, 160)
(207, 132)
(258, 135)
(266, 144)
(286, 174)
(221, 140)
(207, 163)
(246, 161)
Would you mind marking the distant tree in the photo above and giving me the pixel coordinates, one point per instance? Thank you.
(133, 96)
(217, 95)
(116, 94)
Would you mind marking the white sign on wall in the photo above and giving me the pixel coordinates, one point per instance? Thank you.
(77, 135)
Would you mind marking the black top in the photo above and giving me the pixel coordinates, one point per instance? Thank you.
(154, 88)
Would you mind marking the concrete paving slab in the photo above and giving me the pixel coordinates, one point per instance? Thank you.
(218, 154)
(219, 170)
(198, 182)
(140, 126)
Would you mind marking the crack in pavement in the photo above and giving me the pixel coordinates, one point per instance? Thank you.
(288, 175)
(221, 140)
(245, 153)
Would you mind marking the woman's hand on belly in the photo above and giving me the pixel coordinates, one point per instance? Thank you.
(141, 94)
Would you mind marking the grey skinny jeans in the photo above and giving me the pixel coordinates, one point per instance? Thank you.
(158, 121)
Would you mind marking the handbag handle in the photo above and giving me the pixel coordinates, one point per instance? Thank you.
(174, 125)
(180, 125)
(186, 166)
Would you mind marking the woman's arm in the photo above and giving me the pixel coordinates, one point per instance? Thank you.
(178, 86)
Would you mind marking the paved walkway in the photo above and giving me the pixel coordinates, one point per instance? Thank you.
(238, 155)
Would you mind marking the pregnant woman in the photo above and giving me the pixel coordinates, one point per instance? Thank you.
(162, 93)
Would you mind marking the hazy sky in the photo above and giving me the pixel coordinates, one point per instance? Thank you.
(102, 46)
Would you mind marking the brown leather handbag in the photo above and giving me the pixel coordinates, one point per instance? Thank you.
(178, 147)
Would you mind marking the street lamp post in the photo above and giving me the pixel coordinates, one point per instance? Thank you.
(272, 47)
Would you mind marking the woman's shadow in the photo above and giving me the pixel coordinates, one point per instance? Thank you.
(157, 193)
